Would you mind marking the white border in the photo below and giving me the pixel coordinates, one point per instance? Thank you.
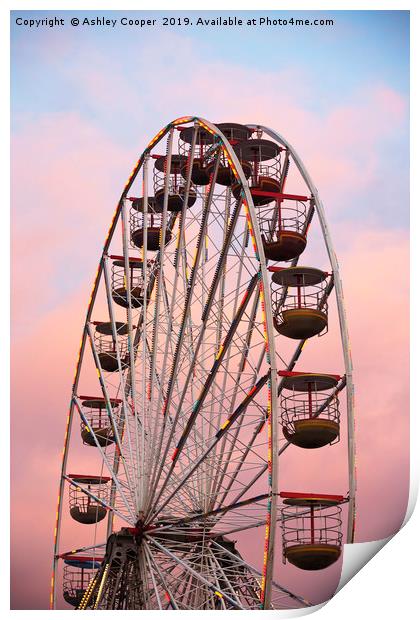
(388, 585)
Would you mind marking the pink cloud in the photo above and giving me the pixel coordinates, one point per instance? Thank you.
(341, 146)
(381, 399)
(62, 203)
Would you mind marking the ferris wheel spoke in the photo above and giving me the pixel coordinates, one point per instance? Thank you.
(290, 366)
(214, 406)
(162, 579)
(240, 452)
(123, 385)
(159, 270)
(211, 513)
(264, 468)
(151, 572)
(218, 569)
(193, 572)
(139, 330)
(81, 549)
(233, 477)
(188, 491)
(159, 277)
(243, 528)
(240, 238)
(241, 562)
(225, 478)
(210, 378)
(186, 315)
(181, 247)
(191, 283)
(252, 524)
(228, 233)
(182, 484)
(142, 327)
(222, 259)
(186, 318)
(139, 441)
(220, 433)
(246, 585)
(178, 251)
(222, 264)
(309, 217)
(217, 363)
(185, 589)
(145, 574)
(241, 368)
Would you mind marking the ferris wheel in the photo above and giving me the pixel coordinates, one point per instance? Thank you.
(190, 386)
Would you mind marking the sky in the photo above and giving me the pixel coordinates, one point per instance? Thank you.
(86, 101)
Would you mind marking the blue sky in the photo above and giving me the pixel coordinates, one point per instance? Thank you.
(339, 60)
